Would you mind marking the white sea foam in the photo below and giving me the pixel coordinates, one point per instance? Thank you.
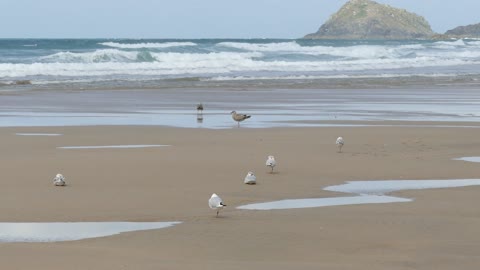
(450, 45)
(215, 63)
(316, 77)
(476, 43)
(264, 47)
(98, 56)
(223, 60)
(246, 59)
(147, 45)
(360, 51)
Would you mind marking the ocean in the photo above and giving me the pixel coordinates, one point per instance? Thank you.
(279, 82)
(281, 63)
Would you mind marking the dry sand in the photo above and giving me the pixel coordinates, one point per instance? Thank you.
(440, 229)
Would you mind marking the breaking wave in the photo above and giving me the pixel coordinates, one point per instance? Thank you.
(238, 60)
(147, 45)
(206, 64)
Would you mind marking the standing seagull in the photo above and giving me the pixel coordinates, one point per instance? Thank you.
(339, 143)
(199, 112)
(59, 180)
(199, 108)
(250, 179)
(216, 203)
(271, 162)
(239, 117)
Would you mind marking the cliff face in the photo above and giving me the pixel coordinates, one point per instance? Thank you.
(472, 30)
(366, 19)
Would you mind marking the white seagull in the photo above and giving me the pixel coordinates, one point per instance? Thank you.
(59, 180)
(271, 162)
(216, 203)
(250, 179)
(339, 143)
(239, 117)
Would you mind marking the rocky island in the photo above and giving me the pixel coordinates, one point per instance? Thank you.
(469, 31)
(366, 19)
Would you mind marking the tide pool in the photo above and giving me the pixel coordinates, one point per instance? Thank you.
(69, 231)
(368, 192)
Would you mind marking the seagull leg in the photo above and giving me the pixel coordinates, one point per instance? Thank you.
(217, 212)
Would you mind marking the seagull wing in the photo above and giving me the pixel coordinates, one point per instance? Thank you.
(271, 162)
(215, 202)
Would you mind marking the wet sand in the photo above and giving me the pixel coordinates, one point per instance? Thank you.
(438, 230)
(268, 107)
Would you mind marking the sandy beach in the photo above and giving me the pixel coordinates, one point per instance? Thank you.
(438, 230)
(121, 122)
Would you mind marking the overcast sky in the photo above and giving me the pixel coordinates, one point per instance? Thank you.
(200, 18)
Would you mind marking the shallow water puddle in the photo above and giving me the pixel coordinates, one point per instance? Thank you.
(38, 134)
(319, 202)
(113, 146)
(297, 115)
(368, 192)
(469, 159)
(69, 231)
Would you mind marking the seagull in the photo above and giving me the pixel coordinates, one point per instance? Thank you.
(339, 143)
(271, 162)
(250, 179)
(59, 180)
(239, 117)
(199, 108)
(216, 203)
(199, 113)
